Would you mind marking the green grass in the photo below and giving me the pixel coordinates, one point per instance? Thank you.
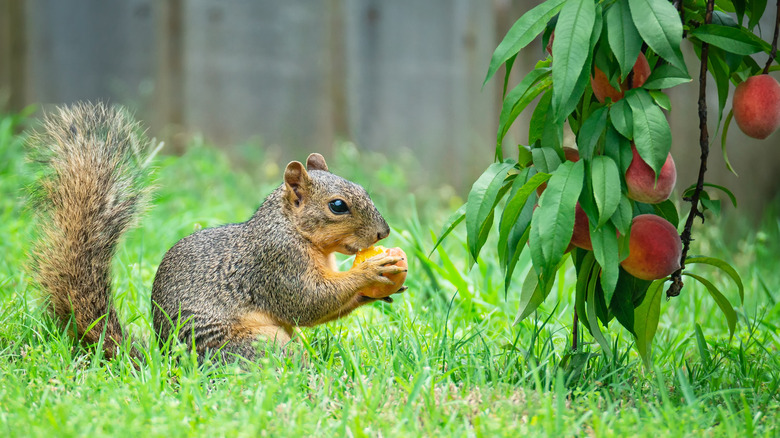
(443, 360)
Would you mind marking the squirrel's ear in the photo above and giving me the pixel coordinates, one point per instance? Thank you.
(296, 182)
(316, 162)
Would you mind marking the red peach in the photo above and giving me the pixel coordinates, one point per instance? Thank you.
(641, 182)
(654, 248)
(757, 106)
(602, 89)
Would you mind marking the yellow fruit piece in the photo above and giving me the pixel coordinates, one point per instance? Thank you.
(367, 253)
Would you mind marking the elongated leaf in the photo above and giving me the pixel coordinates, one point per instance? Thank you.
(668, 211)
(666, 76)
(546, 159)
(593, 325)
(571, 49)
(723, 137)
(528, 27)
(755, 10)
(591, 131)
(704, 351)
(731, 39)
(584, 273)
(689, 191)
(624, 39)
(721, 72)
(661, 99)
(723, 266)
(533, 84)
(623, 215)
(553, 221)
(720, 300)
(659, 25)
(605, 248)
(526, 183)
(646, 317)
(622, 118)
(532, 294)
(481, 202)
(449, 225)
(518, 237)
(605, 179)
(540, 118)
(652, 135)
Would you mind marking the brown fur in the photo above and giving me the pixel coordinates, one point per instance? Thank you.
(224, 287)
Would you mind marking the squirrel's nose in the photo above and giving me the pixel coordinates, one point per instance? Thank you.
(383, 233)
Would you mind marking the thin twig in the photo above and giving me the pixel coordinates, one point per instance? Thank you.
(704, 140)
(774, 40)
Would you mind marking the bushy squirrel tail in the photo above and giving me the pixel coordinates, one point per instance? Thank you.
(92, 188)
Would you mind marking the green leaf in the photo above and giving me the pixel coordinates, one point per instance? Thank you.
(622, 118)
(731, 39)
(533, 84)
(540, 118)
(623, 215)
(661, 99)
(593, 325)
(517, 200)
(646, 317)
(720, 71)
(450, 224)
(482, 200)
(605, 248)
(553, 221)
(624, 39)
(689, 191)
(659, 25)
(605, 179)
(571, 50)
(720, 300)
(755, 10)
(546, 159)
(704, 351)
(525, 30)
(652, 135)
(668, 211)
(666, 76)
(532, 294)
(591, 131)
(723, 266)
(517, 239)
(723, 137)
(584, 272)
(618, 148)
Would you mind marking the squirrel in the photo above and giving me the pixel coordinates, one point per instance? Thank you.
(220, 289)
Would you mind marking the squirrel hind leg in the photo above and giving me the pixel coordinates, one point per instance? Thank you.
(250, 329)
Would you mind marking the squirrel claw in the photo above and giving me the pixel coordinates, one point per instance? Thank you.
(402, 289)
(387, 299)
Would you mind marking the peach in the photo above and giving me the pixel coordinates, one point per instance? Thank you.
(654, 248)
(570, 154)
(757, 106)
(581, 235)
(602, 89)
(641, 182)
(383, 290)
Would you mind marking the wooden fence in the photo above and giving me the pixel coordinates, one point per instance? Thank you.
(295, 75)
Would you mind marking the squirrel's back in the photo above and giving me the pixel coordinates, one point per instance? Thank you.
(92, 189)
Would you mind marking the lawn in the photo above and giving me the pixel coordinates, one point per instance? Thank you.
(444, 360)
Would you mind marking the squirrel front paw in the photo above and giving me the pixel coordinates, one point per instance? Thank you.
(385, 273)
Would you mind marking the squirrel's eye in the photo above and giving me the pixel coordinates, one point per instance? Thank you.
(338, 206)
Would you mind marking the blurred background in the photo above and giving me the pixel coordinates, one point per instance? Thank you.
(400, 77)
